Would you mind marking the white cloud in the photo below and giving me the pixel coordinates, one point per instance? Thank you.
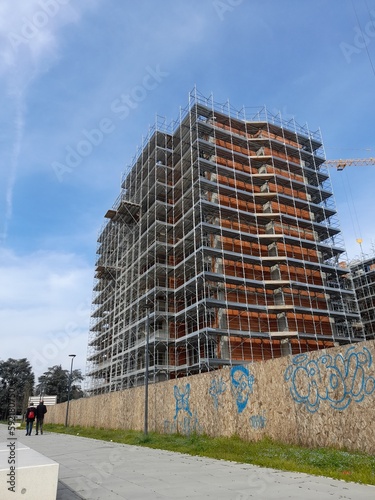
(29, 44)
(29, 35)
(45, 311)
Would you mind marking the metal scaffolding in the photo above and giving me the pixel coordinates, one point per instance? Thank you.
(363, 272)
(225, 236)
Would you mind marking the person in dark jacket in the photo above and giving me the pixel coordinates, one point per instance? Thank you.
(30, 417)
(41, 410)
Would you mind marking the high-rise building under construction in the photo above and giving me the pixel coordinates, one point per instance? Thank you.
(222, 248)
(363, 273)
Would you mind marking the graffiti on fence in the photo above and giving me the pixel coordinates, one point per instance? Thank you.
(339, 380)
(216, 389)
(191, 425)
(170, 427)
(242, 382)
(182, 400)
(186, 425)
(258, 422)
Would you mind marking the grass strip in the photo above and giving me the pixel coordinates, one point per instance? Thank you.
(337, 464)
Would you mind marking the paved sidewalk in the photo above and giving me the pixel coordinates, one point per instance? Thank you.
(92, 469)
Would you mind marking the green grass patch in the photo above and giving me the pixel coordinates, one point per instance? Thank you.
(338, 464)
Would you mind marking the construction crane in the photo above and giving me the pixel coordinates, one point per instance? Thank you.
(349, 162)
(358, 162)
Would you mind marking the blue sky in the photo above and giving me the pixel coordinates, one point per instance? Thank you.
(66, 71)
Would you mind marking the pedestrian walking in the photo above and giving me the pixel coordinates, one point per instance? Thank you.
(30, 417)
(41, 410)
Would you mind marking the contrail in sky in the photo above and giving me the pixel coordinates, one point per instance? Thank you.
(16, 149)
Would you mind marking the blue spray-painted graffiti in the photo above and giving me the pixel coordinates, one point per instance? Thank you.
(191, 424)
(217, 388)
(182, 400)
(186, 426)
(187, 423)
(170, 427)
(242, 382)
(339, 380)
(258, 421)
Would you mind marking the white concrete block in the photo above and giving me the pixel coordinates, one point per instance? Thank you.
(25, 473)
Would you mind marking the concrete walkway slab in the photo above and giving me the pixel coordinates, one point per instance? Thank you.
(98, 470)
(25, 473)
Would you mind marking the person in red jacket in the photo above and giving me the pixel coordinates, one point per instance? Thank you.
(30, 417)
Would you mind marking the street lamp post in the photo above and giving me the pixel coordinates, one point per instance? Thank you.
(69, 387)
(41, 391)
(148, 306)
